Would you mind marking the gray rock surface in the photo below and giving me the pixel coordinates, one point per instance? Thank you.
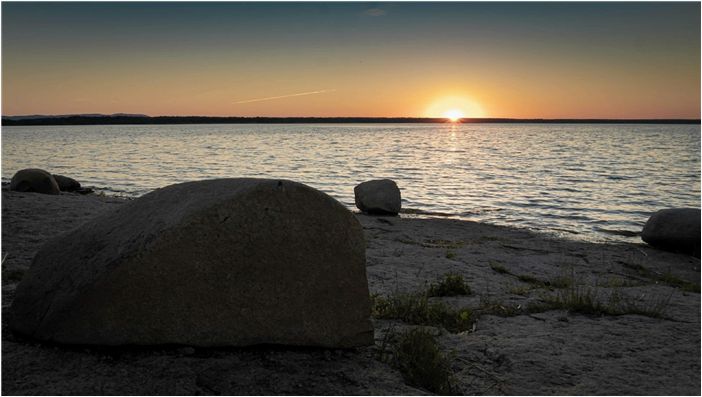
(550, 353)
(210, 263)
(674, 229)
(67, 184)
(34, 180)
(381, 196)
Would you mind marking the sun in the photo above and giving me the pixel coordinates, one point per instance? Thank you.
(454, 108)
(454, 115)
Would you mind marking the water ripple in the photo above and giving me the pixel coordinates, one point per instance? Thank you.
(595, 182)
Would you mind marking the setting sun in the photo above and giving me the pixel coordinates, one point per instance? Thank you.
(453, 115)
(454, 108)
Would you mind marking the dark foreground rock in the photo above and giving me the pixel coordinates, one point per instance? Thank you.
(380, 197)
(674, 229)
(211, 263)
(34, 180)
(67, 184)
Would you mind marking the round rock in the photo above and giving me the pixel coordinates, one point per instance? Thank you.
(228, 262)
(34, 180)
(66, 184)
(674, 229)
(381, 196)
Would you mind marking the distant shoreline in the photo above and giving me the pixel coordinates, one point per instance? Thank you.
(107, 120)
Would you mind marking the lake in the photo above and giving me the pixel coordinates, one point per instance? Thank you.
(594, 182)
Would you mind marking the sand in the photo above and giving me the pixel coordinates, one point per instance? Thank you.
(549, 352)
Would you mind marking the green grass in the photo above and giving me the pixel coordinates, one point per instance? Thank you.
(450, 254)
(666, 278)
(450, 285)
(588, 301)
(673, 281)
(562, 281)
(418, 357)
(417, 309)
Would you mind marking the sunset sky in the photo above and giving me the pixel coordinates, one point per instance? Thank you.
(578, 60)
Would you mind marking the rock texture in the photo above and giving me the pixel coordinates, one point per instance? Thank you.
(34, 180)
(380, 196)
(67, 184)
(210, 263)
(674, 229)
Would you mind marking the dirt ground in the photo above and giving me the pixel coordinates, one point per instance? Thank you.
(652, 347)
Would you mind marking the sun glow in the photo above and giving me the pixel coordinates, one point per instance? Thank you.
(453, 115)
(454, 109)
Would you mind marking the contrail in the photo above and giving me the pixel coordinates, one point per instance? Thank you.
(270, 98)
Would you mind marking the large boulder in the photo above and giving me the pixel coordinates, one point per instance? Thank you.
(381, 196)
(34, 180)
(228, 262)
(674, 229)
(67, 184)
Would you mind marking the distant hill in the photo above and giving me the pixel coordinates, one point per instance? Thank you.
(120, 118)
(60, 116)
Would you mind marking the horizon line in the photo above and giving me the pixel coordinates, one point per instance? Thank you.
(143, 115)
(125, 118)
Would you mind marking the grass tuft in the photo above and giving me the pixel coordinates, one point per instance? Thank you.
(665, 278)
(451, 285)
(562, 281)
(416, 309)
(589, 302)
(418, 357)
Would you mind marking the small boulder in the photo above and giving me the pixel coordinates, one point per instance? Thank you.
(67, 184)
(34, 180)
(227, 262)
(674, 229)
(380, 197)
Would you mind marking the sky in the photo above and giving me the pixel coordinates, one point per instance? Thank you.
(521, 60)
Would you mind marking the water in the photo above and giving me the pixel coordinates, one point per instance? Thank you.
(593, 182)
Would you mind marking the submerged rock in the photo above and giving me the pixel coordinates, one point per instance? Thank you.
(674, 229)
(213, 263)
(67, 184)
(381, 196)
(34, 180)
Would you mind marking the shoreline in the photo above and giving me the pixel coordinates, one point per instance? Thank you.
(554, 350)
(598, 235)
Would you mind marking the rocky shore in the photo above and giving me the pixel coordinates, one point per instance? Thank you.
(538, 316)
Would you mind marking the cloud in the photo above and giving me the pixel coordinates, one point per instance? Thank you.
(375, 12)
(270, 98)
